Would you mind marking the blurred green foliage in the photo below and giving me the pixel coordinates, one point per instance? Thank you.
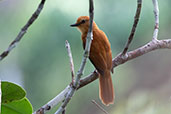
(41, 65)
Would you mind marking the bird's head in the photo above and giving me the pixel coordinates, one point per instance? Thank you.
(82, 24)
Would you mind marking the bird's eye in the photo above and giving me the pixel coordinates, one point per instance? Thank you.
(83, 21)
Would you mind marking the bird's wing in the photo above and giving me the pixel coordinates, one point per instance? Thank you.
(100, 52)
(99, 62)
(107, 48)
(98, 55)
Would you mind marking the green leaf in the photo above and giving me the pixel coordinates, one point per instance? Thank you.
(22, 106)
(11, 92)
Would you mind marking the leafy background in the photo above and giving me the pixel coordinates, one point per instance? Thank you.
(40, 63)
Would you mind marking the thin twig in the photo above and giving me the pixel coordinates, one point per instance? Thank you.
(156, 16)
(67, 45)
(23, 30)
(60, 97)
(102, 109)
(88, 79)
(85, 57)
(136, 20)
(151, 46)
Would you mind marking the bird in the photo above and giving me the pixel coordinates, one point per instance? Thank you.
(100, 56)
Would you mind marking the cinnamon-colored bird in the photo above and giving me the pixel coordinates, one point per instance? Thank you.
(100, 56)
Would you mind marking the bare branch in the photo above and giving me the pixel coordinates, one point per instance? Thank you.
(156, 15)
(67, 45)
(103, 110)
(23, 30)
(121, 59)
(63, 112)
(85, 57)
(136, 20)
(60, 97)
(88, 79)
(151, 46)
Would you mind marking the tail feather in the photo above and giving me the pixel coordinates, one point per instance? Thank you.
(106, 91)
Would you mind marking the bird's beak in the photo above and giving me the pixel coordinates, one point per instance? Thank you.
(75, 25)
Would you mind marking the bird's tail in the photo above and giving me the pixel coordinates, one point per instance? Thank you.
(106, 91)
